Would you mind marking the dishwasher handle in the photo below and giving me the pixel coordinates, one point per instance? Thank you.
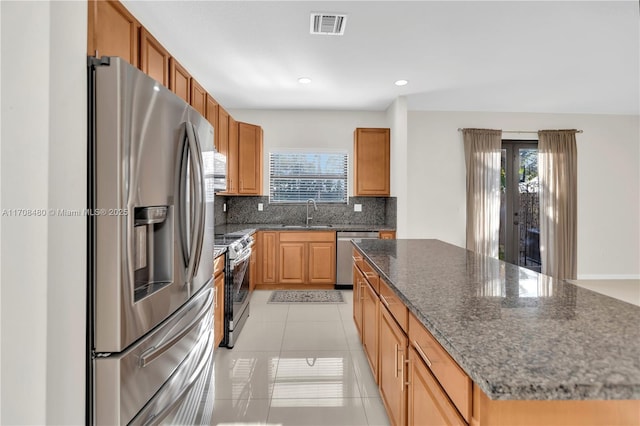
(358, 235)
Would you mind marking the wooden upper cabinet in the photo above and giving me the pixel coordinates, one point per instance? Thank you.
(371, 162)
(249, 159)
(222, 133)
(154, 59)
(179, 81)
(198, 97)
(232, 157)
(112, 31)
(212, 115)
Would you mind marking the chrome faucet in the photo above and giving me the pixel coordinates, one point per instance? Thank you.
(315, 207)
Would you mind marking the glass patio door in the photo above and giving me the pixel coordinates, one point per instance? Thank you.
(520, 204)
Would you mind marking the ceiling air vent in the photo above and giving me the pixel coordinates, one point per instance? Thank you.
(328, 23)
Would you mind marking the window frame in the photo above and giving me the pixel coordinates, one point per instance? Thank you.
(310, 151)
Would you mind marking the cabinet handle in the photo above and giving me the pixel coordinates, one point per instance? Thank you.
(384, 301)
(401, 371)
(370, 275)
(362, 288)
(395, 360)
(356, 258)
(410, 367)
(421, 353)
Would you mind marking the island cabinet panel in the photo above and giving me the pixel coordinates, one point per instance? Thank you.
(112, 31)
(154, 59)
(427, 403)
(487, 412)
(371, 162)
(358, 291)
(393, 347)
(451, 377)
(371, 327)
(179, 81)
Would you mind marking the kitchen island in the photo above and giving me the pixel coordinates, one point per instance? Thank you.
(536, 350)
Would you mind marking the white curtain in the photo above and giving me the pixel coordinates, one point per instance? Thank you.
(482, 149)
(557, 173)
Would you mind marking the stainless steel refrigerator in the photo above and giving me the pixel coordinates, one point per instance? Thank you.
(150, 308)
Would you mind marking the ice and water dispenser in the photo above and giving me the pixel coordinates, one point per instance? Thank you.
(153, 249)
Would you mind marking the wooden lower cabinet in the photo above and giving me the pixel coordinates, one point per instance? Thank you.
(218, 300)
(291, 262)
(427, 403)
(370, 326)
(322, 258)
(393, 354)
(358, 289)
(266, 252)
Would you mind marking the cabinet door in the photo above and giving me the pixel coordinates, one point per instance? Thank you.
(371, 162)
(427, 403)
(198, 97)
(179, 81)
(154, 59)
(112, 31)
(212, 116)
(232, 157)
(358, 289)
(291, 263)
(268, 242)
(370, 327)
(222, 133)
(322, 263)
(249, 159)
(393, 346)
(218, 328)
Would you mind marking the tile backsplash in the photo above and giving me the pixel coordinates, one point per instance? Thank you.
(375, 211)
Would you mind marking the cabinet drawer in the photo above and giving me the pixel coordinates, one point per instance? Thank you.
(308, 236)
(394, 305)
(218, 264)
(451, 377)
(371, 276)
(428, 404)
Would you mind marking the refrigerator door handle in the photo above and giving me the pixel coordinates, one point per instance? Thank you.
(155, 351)
(200, 187)
(197, 231)
(183, 185)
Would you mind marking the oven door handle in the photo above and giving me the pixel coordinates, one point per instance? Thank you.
(244, 256)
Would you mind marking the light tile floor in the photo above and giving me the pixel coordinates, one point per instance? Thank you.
(296, 364)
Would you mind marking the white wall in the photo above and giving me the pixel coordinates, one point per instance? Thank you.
(397, 116)
(608, 182)
(43, 140)
(308, 129)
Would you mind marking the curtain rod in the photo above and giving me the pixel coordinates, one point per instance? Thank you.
(520, 131)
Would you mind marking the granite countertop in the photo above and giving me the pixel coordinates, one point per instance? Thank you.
(252, 227)
(518, 334)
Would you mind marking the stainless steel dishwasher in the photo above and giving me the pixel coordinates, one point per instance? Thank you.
(344, 251)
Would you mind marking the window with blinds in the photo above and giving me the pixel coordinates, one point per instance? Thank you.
(294, 177)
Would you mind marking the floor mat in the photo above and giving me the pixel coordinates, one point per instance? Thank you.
(306, 296)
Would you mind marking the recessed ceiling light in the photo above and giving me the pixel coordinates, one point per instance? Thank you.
(304, 80)
(401, 82)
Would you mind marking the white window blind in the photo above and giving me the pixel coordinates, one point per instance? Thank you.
(297, 176)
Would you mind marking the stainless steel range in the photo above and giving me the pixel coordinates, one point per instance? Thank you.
(237, 291)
